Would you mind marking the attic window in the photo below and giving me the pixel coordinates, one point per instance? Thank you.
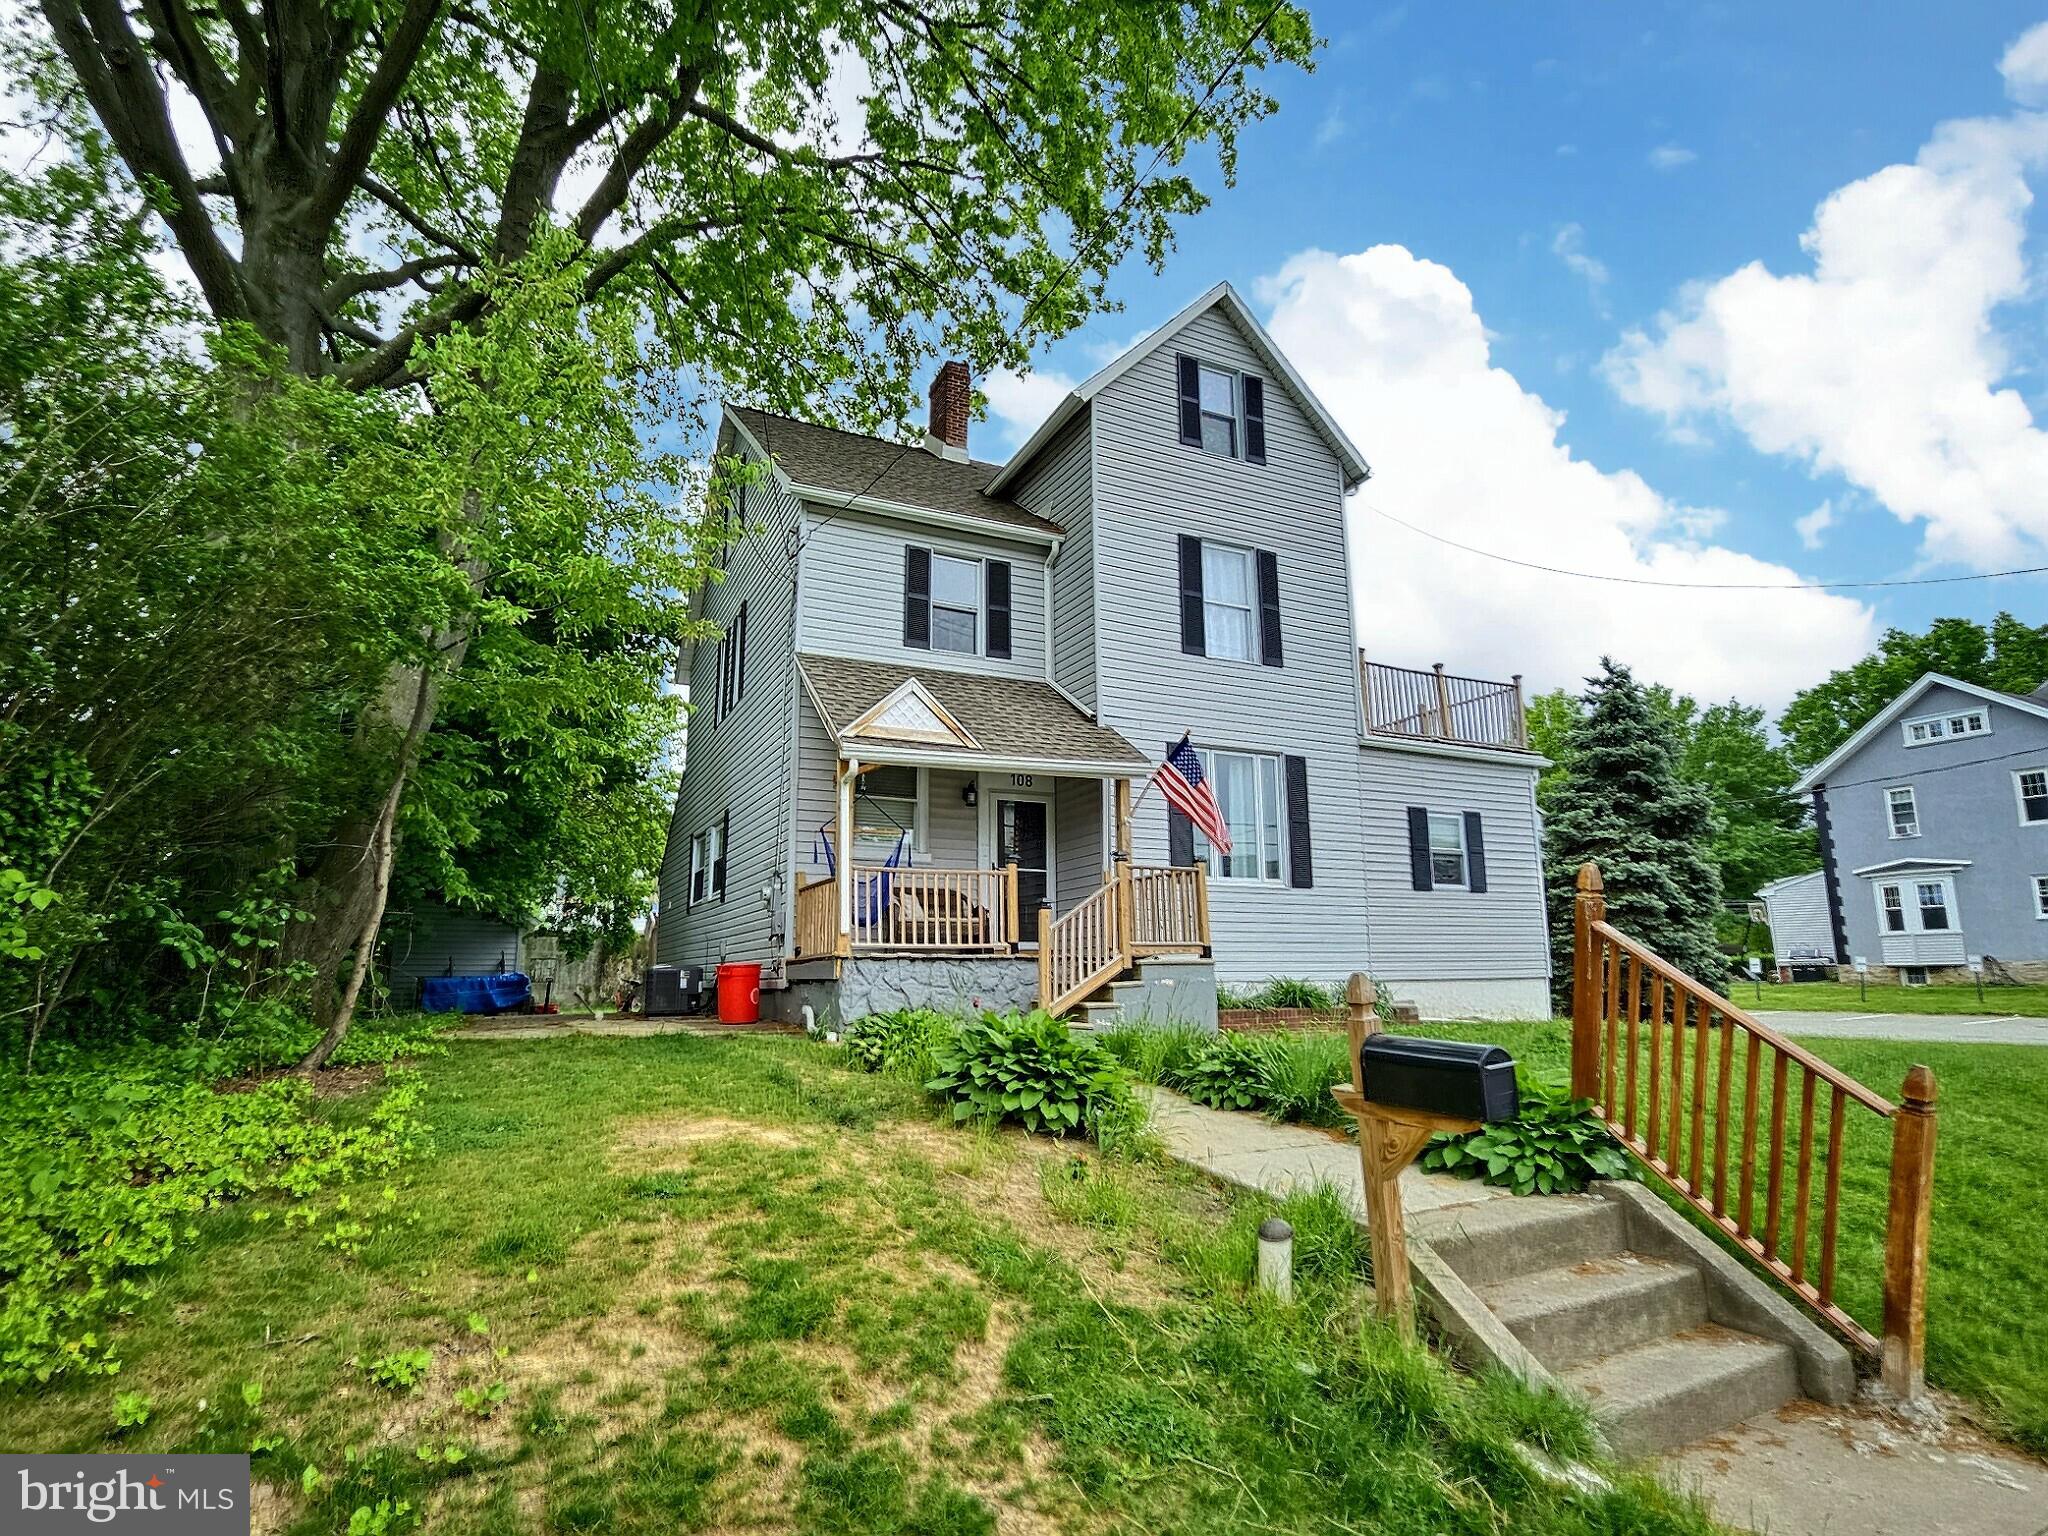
(1222, 411)
(1932, 728)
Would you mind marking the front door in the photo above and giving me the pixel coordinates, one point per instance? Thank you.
(1022, 839)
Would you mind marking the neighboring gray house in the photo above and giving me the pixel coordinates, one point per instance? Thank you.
(943, 684)
(433, 939)
(1933, 824)
(1796, 911)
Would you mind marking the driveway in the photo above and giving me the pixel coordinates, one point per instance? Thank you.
(1952, 1029)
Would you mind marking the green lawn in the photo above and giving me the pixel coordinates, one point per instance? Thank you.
(677, 1284)
(1987, 1329)
(1839, 997)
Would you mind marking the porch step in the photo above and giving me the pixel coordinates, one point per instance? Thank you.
(1498, 1240)
(1578, 1312)
(1682, 1388)
(1098, 1015)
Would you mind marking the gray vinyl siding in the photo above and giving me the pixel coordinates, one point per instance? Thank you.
(743, 765)
(438, 940)
(1797, 910)
(853, 599)
(1149, 488)
(1077, 833)
(817, 801)
(1452, 935)
(1969, 810)
(1059, 487)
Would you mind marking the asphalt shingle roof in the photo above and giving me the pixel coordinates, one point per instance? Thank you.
(1016, 718)
(871, 466)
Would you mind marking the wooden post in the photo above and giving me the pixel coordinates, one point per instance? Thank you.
(1011, 931)
(1389, 1140)
(1589, 908)
(1521, 716)
(1126, 900)
(1360, 995)
(1045, 957)
(1365, 690)
(1443, 701)
(1906, 1224)
(843, 834)
(1202, 906)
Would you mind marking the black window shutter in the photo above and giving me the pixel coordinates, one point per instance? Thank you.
(718, 864)
(1193, 640)
(999, 608)
(1180, 838)
(724, 674)
(739, 657)
(1190, 372)
(1418, 848)
(1254, 419)
(1475, 853)
(1269, 607)
(917, 597)
(1301, 872)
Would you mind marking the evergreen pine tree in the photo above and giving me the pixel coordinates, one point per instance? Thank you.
(1624, 805)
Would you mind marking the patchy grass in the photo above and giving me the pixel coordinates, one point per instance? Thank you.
(2030, 1000)
(677, 1284)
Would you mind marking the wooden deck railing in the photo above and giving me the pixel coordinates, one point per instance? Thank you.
(817, 918)
(1080, 949)
(939, 910)
(1711, 1114)
(1439, 706)
(1169, 909)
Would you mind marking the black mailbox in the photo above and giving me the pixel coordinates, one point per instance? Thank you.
(1444, 1077)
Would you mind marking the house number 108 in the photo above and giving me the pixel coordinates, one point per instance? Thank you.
(1020, 781)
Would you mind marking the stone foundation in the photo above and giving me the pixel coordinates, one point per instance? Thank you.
(1950, 975)
(882, 984)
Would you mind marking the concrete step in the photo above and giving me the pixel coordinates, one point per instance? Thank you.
(1684, 1387)
(1498, 1240)
(1578, 1312)
(1098, 1015)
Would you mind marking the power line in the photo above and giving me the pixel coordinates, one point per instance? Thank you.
(1701, 586)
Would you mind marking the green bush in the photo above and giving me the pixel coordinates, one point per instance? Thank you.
(1229, 1072)
(904, 1043)
(1295, 992)
(1556, 1145)
(1029, 1068)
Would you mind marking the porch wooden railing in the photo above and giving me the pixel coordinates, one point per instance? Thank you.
(1080, 949)
(933, 909)
(1439, 706)
(1709, 1114)
(817, 918)
(1169, 909)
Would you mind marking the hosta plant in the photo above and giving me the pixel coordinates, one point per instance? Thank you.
(904, 1041)
(1555, 1145)
(1028, 1067)
(1228, 1072)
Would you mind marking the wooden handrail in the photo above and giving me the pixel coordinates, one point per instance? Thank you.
(935, 910)
(1642, 1053)
(1167, 909)
(1081, 949)
(817, 918)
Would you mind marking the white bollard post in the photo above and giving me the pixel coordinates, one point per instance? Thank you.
(1276, 1259)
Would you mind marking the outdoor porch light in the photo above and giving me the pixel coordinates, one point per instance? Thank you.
(971, 795)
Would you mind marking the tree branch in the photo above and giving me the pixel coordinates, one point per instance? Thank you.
(366, 122)
(347, 287)
(391, 199)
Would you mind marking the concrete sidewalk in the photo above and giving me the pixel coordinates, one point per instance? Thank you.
(1946, 1029)
(1802, 1471)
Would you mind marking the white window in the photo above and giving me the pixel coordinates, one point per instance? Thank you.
(1228, 585)
(698, 869)
(1904, 811)
(2041, 896)
(956, 604)
(2031, 785)
(1247, 787)
(888, 802)
(706, 848)
(1918, 906)
(1446, 848)
(1219, 411)
(1933, 906)
(1892, 903)
(1963, 722)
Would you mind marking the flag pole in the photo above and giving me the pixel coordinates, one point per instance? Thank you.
(1153, 777)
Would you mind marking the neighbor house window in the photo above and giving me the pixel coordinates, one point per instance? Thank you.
(1446, 848)
(2041, 896)
(2032, 784)
(1933, 907)
(1920, 906)
(1247, 787)
(956, 604)
(887, 802)
(1893, 903)
(1963, 722)
(1227, 593)
(1905, 811)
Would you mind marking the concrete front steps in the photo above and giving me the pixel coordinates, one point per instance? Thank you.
(1618, 1299)
(1158, 990)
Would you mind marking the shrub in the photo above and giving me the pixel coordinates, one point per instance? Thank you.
(1227, 1073)
(1155, 1055)
(904, 1042)
(1300, 1071)
(1295, 992)
(1029, 1068)
(1554, 1146)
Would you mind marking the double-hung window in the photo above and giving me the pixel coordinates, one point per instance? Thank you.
(956, 604)
(707, 863)
(1447, 849)
(1933, 897)
(1903, 810)
(1219, 410)
(1892, 901)
(1228, 591)
(1247, 787)
(1222, 411)
(2041, 897)
(1917, 906)
(2031, 784)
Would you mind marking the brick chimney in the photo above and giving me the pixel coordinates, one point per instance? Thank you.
(947, 434)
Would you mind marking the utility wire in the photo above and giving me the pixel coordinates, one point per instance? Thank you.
(1701, 586)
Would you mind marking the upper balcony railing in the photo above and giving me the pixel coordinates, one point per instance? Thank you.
(1437, 706)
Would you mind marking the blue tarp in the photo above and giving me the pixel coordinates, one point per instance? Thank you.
(475, 994)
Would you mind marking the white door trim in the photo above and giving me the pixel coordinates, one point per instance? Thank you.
(991, 787)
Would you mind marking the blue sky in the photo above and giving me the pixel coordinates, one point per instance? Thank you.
(1597, 212)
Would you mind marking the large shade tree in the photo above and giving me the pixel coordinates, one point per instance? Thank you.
(797, 201)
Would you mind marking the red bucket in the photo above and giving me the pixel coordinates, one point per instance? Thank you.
(739, 994)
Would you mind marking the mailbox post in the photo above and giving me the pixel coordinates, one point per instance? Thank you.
(1404, 1091)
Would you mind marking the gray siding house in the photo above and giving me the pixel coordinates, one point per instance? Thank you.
(918, 760)
(1933, 825)
(1796, 912)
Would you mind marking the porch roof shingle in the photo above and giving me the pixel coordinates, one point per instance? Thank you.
(1012, 719)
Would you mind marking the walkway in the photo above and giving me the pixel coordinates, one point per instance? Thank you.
(1803, 1471)
(1946, 1029)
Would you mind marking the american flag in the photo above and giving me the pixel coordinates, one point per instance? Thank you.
(1186, 787)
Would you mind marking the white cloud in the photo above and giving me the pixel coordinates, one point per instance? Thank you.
(1816, 523)
(1018, 402)
(1334, 124)
(1568, 245)
(1395, 347)
(1669, 157)
(2025, 66)
(1883, 363)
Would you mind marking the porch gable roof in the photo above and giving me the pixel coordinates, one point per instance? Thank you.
(1011, 720)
